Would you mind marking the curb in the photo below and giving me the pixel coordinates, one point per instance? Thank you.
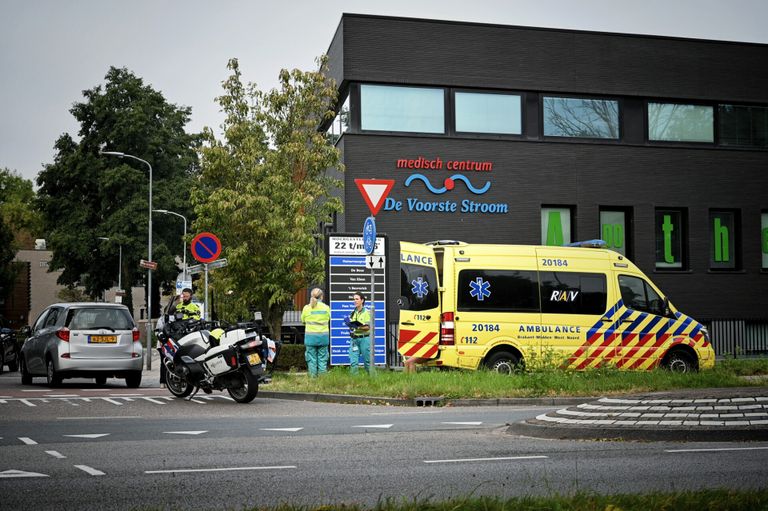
(422, 401)
(725, 434)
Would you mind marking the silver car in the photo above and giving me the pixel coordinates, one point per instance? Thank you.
(75, 340)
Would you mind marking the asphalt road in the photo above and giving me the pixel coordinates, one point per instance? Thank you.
(84, 447)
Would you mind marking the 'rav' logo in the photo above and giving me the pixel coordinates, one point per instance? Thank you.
(563, 296)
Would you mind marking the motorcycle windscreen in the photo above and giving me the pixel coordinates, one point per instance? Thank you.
(419, 328)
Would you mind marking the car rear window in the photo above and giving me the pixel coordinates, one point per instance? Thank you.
(93, 318)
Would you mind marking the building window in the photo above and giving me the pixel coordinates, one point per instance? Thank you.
(411, 109)
(745, 126)
(556, 226)
(672, 122)
(340, 124)
(581, 118)
(671, 239)
(488, 113)
(615, 230)
(764, 238)
(572, 293)
(723, 240)
(498, 291)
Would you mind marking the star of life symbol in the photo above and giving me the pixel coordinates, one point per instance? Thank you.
(419, 287)
(480, 289)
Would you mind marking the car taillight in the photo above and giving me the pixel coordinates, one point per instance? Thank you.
(446, 329)
(63, 334)
(136, 334)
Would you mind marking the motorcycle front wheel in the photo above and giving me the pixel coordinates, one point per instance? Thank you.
(177, 386)
(246, 388)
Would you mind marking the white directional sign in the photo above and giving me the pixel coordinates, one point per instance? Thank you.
(375, 261)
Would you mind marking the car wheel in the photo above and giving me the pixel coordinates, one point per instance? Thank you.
(52, 377)
(679, 362)
(14, 366)
(101, 380)
(504, 362)
(26, 378)
(133, 380)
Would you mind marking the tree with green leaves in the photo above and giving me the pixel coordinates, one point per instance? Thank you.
(20, 222)
(265, 189)
(84, 195)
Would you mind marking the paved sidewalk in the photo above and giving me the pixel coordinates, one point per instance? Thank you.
(691, 415)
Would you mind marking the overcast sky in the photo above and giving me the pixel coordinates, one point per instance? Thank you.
(52, 50)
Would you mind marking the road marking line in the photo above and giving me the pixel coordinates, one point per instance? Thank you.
(282, 467)
(90, 436)
(464, 423)
(406, 413)
(488, 459)
(27, 440)
(35, 390)
(56, 454)
(90, 470)
(20, 473)
(379, 426)
(718, 449)
(291, 430)
(153, 400)
(106, 417)
(114, 402)
(126, 395)
(27, 402)
(184, 432)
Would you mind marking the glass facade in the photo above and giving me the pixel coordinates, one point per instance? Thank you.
(673, 122)
(581, 118)
(614, 230)
(409, 109)
(555, 226)
(671, 239)
(723, 240)
(743, 126)
(764, 239)
(488, 113)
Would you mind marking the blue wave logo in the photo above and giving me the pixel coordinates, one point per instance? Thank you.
(448, 184)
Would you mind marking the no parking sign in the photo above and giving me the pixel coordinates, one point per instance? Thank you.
(206, 247)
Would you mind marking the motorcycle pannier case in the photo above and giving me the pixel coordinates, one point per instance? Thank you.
(221, 359)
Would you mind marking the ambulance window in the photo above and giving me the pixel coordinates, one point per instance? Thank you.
(638, 295)
(573, 293)
(498, 291)
(418, 287)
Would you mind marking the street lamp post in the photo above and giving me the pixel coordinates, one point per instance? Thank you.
(119, 263)
(184, 242)
(149, 254)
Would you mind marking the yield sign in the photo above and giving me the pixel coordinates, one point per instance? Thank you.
(374, 191)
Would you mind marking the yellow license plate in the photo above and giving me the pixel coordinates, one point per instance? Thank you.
(103, 339)
(254, 359)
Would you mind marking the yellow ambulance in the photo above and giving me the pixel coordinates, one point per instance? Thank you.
(505, 307)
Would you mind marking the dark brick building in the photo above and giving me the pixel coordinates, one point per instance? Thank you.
(504, 134)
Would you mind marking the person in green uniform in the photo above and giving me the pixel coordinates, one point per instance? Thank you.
(359, 330)
(316, 315)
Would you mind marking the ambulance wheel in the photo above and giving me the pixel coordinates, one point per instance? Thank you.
(504, 362)
(679, 362)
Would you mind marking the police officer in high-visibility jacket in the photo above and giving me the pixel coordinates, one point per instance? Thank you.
(359, 330)
(316, 316)
(187, 308)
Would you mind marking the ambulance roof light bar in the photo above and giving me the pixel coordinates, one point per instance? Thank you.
(588, 244)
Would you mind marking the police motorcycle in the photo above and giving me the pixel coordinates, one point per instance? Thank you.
(200, 355)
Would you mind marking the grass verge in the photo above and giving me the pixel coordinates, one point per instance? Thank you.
(454, 384)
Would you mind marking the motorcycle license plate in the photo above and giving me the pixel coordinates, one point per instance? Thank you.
(102, 339)
(254, 359)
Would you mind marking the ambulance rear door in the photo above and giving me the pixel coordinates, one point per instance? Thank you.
(419, 328)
